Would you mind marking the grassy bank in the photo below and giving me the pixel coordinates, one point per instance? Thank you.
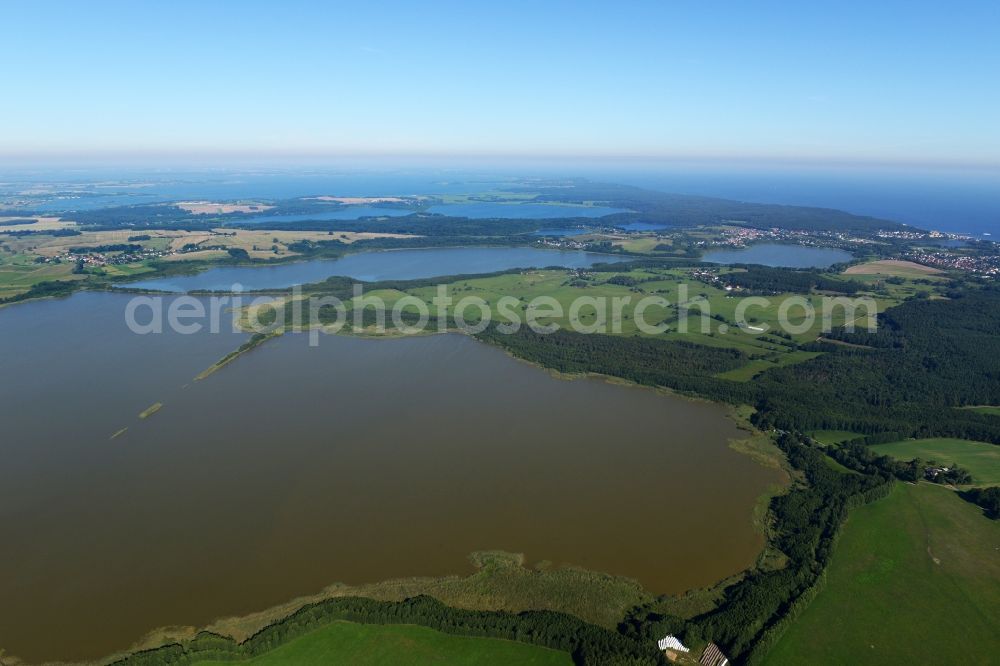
(306, 637)
(402, 645)
(501, 582)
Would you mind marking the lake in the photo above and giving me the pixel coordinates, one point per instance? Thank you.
(774, 254)
(374, 266)
(296, 467)
(530, 211)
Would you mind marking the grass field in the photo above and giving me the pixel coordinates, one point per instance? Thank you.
(986, 409)
(892, 268)
(402, 645)
(19, 273)
(833, 436)
(755, 367)
(980, 459)
(915, 578)
(836, 466)
(640, 244)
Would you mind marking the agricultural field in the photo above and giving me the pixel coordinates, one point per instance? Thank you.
(915, 578)
(639, 244)
(8, 224)
(214, 208)
(401, 645)
(259, 243)
(27, 260)
(270, 244)
(892, 268)
(982, 460)
(19, 273)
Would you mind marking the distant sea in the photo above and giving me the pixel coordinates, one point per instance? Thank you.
(965, 202)
(956, 201)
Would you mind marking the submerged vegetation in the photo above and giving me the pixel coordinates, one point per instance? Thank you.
(255, 341)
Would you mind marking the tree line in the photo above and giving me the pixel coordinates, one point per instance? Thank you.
(765, 280)
(588, 644)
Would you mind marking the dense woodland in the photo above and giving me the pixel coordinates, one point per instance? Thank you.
(681, 366)
(765, 280)
(114, 247)
(927, 359)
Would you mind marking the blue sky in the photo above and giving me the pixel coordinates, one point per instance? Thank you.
(867, 81)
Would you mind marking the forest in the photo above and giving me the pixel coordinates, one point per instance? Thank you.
(681, 366)
(927, 359)
(764, 280)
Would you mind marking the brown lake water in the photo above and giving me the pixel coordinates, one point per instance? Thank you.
(297, 467)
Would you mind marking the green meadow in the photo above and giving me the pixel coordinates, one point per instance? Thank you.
(986, 409)
(914, 578)
(982, 460)
(833, 436)
(401, 645)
